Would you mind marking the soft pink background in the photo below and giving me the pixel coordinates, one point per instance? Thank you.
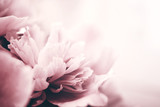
(131, 27)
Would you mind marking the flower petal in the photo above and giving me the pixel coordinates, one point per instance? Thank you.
(25, 48)
(95, 99)
(40, 78)
(104, 63)
(11, 23)
(38, 36)
(36, 94)
(16, 81)
(115, 99)
(37, 101)
(56, 69)
(40, 84)
(75, 63)
(56, 90)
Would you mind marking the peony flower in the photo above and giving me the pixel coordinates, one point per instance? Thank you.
(64, 74)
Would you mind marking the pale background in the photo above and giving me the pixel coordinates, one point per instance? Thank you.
(132, 28)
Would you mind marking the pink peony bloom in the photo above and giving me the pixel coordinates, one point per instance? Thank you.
(64, 74)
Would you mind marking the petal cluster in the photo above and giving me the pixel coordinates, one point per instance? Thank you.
(62, 71)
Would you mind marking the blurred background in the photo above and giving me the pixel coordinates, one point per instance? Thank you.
(131, 27)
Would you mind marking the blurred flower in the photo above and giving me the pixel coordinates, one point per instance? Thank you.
(64, 74)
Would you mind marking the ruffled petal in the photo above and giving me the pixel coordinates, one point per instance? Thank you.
(47, 74)
(40, 78)
(40, 84)
(51, 50)
(23, 46)
(73, 82)
(75, 63)
(56, 69)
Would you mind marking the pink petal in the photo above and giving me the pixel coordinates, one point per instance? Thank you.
(56, 34)
(101, 58)
(4, 7)
(3, 12)
(11, 23)
(51, 50)
(16, 81)
(104, 63)
(36, 94)
(25, 48)
(16, 7)
(96, 99)
(56, 69)
(40, 78)
(75, 49)
(75, 63)
(40, 84)
(39, 100)
(73, 82)
(56, 90)
(38, 36)
(115, 99)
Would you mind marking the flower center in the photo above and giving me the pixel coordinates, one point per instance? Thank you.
(4, 43)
